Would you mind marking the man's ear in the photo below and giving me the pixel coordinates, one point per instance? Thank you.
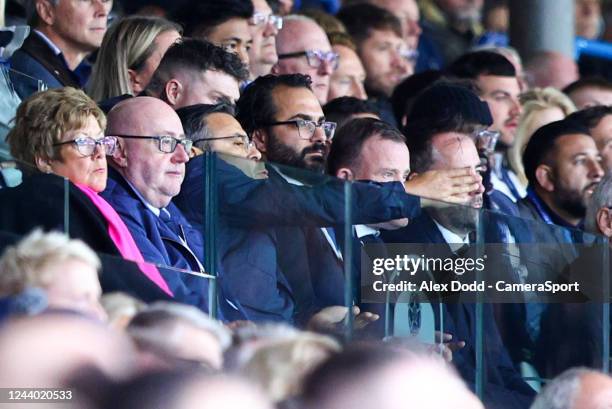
(345, 173)
(412, 175)
(173, 91)
(604, 221)
(120, 156)
(44, 165)
(545, 178)
(45, 11)
(135, 83)
(260, 138)
(275, 69)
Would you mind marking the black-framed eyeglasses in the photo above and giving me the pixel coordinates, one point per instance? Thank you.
(260, 19)
(315, 57)
(306, 128)
(166, 143)
(247, 143)
(86, 145)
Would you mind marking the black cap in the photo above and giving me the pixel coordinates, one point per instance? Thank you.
(443, 101)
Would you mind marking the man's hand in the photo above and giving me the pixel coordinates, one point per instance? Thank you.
(330, 319)
(447, 345)
(451, 185)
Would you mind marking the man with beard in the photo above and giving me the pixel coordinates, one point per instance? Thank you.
(284, 119)
(496, 81)
(599, 121)
(563, 167)
(447, 144)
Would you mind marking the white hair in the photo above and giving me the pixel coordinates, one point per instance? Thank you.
(561, 392)
(25, 264)
(602, 197)
(195, 317)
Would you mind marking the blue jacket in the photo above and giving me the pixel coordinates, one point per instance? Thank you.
(159, 243)
(35, 59)
(273, 258)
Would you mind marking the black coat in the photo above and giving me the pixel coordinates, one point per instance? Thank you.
(39, 203)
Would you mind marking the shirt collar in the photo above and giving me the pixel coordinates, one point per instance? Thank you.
(362, 230)
(148, 205)
(51, 44)
(452, 239)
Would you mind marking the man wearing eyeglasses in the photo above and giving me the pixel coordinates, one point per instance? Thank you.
(303, 48)
(264, 27)
(147, 169)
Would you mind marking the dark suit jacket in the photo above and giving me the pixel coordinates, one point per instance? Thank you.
(39, 203)
(273, 257)
(36, 59)
(504, 388)
(159, 241)
(274, 202)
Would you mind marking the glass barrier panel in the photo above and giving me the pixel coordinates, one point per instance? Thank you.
(281, 248)
(547, 290)
(31, 199)
(14, 87)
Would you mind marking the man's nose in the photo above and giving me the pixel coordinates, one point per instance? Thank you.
(180, 155)
(253, 153)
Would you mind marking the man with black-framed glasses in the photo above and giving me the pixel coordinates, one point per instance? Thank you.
(303, 48)
(146, 173)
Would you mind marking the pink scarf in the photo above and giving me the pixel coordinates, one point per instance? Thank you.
(123, 239)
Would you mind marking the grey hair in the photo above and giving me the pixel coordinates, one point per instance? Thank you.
(561, 392)
(195, 317)
(602, 197)
(30, 10)
(26, 263)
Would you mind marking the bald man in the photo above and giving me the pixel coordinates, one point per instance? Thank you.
(303, 48)
(146, 172)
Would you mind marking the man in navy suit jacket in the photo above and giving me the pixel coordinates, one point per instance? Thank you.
(450, 146)
(147, 171)
(56, 49)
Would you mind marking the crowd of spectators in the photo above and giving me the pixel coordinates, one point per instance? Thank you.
(202, 184)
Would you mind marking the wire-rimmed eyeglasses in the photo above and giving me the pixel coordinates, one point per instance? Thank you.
(86, 145)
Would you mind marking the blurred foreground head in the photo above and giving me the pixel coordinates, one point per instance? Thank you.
(50, 349)
(386, 378)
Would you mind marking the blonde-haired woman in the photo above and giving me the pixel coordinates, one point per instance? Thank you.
(131, 51)
(65, 269)
(541, 106)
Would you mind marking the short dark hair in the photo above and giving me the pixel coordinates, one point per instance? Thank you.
(196, 55)
(199, 18)
(406, 91)
(256, 106)
(340, 110)
(473, 64)
(590, 117)
(588, 82)
(543, 143)
(360, 19)
(274, 5)
(193, 118)
(419, 137)
(348, 141)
